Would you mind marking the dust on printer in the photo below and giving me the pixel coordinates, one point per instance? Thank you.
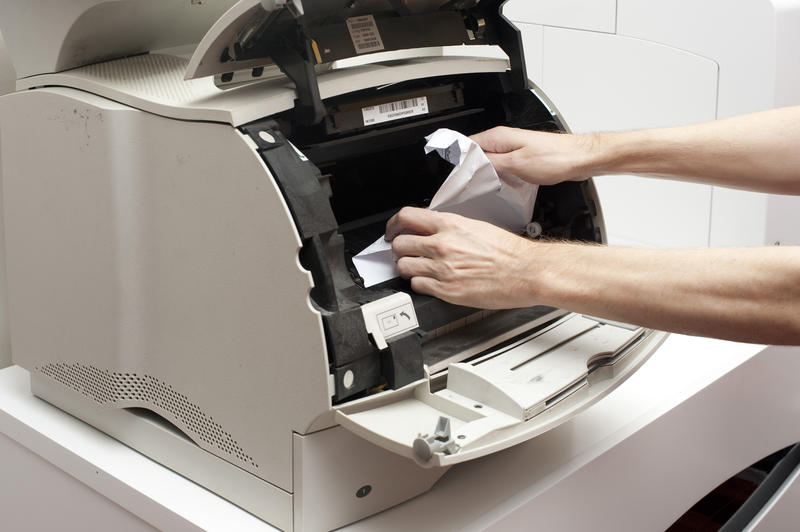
(180, 264)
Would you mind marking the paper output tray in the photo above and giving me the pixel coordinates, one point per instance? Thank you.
(505, 397)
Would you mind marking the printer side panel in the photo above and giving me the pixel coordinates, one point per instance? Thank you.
(153, 263)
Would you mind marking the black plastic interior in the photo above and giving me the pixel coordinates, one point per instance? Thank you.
(356, 177)
(374, 171)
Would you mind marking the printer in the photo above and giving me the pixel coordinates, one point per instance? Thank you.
(185, 184)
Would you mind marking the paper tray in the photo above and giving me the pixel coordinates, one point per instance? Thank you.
(505, 397)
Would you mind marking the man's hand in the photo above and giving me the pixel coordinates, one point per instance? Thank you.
(460, 260)
(742, 294)
(755, 152)
(537, 157)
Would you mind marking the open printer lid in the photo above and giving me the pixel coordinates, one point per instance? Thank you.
(254, 33)
(113, 49)
(301, 36)
(76, 43)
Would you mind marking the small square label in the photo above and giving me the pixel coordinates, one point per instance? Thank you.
(365, 35)
(389, 322)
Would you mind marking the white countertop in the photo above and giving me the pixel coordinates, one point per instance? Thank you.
(691, 387)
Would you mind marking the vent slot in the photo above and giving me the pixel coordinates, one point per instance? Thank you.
(127, 390)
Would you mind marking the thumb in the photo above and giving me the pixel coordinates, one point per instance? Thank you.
(502, 162)
(498, 140)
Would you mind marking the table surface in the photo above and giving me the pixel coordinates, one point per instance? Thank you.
(472, 495)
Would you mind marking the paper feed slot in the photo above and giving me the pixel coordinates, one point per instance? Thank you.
(501, 399)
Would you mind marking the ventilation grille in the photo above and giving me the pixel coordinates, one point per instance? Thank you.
(106, 387)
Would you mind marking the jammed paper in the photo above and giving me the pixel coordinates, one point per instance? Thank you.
(473, 189)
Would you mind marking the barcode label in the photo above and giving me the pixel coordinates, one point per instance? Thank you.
(365, 35)
(387, 112)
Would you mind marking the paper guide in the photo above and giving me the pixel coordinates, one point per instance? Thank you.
(473, 189)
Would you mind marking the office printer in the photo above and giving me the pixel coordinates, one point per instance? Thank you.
(185, 185)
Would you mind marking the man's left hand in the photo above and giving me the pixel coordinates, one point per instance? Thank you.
(460, 260)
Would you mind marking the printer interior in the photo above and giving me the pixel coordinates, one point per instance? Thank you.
(369, 172)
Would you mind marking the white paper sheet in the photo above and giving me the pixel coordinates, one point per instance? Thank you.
(473, 189)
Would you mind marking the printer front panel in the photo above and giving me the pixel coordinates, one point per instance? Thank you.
(152, 264)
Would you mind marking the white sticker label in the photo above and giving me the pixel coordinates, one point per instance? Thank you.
(365, 35)
(387, 112)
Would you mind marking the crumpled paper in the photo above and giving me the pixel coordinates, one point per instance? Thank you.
(473, 189)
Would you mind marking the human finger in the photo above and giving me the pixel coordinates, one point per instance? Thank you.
(412, 220)
(412, 246)
(427, 286)
(410, 267)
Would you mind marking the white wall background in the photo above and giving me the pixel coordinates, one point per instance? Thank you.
(7, 79)
(628, 64)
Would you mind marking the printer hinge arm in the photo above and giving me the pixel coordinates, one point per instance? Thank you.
(280, 34)
(299, 67)
(509, 38)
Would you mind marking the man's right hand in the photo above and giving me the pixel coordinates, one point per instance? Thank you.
(538, 157)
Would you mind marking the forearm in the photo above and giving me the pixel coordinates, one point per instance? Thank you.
(747, 294)
(744, 294)
(760, 151)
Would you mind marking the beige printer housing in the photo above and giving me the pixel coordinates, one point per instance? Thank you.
(174, 278)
